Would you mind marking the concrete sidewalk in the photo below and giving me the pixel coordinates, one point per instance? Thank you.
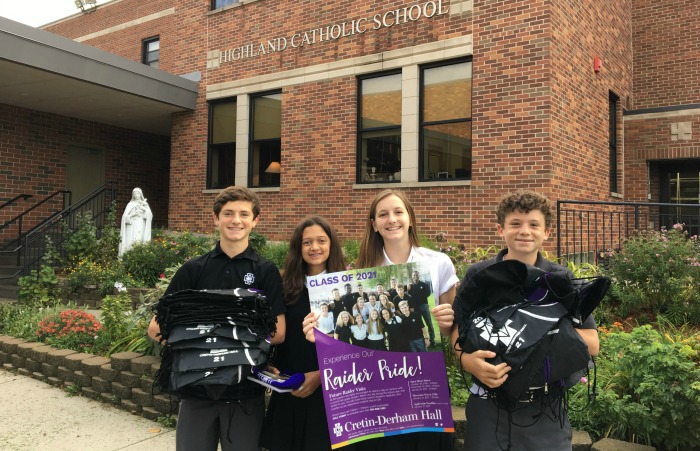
(38, 416)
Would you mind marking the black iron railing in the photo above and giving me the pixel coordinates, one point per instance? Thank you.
(14, 199)
(586, 231)
(59, 226)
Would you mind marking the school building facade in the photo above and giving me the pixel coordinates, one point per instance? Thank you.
(318, 105)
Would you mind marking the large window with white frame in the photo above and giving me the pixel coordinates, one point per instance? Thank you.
(265, 149)
(445, 150)
(221, 151)
(379, 128)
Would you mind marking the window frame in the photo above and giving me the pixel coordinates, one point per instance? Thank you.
(214, 6)
(613, 106)
(251, 136)
(145, 52)
(211, 146)
(360, 131)
(422, 124)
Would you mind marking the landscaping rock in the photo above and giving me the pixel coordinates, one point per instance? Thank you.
(143, 365)
(131, 406)
(108, 373)
(25, 349)
(39, 353)
(65, 374)
(121, 361)
(32, 365)
(17, 361)
(82, 379)
(581, 441)
(608, 444)
(49, 370)
(75, 361)
(92, 365)
(129, 379)
(39, 376)
(121, 390)
(165, 404)
(151, 413)
(100, 385)
(141, 397)
(9, 345)
(56, 356)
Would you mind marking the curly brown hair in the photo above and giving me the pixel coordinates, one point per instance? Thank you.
(525, 201)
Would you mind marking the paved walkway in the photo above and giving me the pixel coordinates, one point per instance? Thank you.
(38, 416)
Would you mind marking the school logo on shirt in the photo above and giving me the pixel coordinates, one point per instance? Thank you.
(249, 278)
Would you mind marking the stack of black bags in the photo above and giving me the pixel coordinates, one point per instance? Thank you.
(213, 339)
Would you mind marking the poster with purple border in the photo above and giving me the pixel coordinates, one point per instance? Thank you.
(373, 390)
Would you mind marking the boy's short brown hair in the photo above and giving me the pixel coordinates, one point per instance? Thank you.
(233, 194)
(524, 201)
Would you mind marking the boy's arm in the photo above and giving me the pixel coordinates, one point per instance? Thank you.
(590, 336)
(154, 329)
(281, 330)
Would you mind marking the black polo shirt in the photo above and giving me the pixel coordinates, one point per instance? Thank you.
(217, 271)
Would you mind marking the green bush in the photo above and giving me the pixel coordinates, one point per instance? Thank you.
(81, 243)
(20, 320)
(256, 239)
(351, 250)
(145, 262)
(658, 272)
(276, 252)
(648, 389)
(101, 275)
(39, 287)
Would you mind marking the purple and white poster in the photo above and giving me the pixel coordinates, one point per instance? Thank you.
(378, 374)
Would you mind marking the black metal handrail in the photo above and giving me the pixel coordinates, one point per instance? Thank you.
(32, 246)
(19, 219)
(16, 198)
(587, 230)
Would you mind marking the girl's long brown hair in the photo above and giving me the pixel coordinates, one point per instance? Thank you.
(371, 248)
(294, 265)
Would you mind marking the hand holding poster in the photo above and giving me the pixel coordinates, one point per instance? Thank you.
(376, 377)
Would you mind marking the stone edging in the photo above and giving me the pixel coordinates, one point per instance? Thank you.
(125, 380)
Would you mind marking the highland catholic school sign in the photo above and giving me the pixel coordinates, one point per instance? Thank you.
(335, 31)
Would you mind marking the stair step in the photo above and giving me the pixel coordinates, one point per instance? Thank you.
(8, 292)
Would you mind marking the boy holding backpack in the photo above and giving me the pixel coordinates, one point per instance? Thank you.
(536, 420)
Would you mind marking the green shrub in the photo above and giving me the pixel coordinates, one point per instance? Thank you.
(648, 390)
(145, 262)
(276, 252)
(20, 320)
(39, 287)
(658, 272)
(101, 275)
(81, 243)
(256, 239)
(351, 250)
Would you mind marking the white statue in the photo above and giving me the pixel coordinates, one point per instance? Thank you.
(136, 222)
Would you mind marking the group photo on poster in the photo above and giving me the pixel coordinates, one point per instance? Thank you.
(373, 336)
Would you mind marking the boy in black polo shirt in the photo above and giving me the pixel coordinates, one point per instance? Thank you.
(524, 221)
(233, 263)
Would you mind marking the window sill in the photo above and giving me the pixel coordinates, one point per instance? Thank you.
(391, 185)
(227, 7)
(617, 195)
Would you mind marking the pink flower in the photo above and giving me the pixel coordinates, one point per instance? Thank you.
(584, 380)
(162, 276)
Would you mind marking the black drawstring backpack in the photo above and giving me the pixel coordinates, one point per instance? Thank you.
(527, 317)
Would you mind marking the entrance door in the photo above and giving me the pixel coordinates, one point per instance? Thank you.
(681, 185)
(85, 171)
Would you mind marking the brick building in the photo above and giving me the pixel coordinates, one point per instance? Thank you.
(318, 105)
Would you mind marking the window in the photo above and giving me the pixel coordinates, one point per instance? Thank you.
(613, 100)
(445, 121)
(221, 155)
(151, 52)
(266, 140)
(379, 129)
(216, 4)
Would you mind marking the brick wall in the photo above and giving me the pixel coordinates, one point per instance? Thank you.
(539, 112)
(666, 38)
(33, 154)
